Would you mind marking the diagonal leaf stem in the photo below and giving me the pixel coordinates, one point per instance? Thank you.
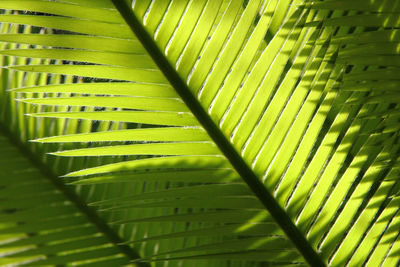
(247, 174)
(91, 215)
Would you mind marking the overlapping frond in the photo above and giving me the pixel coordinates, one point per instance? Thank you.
(41, 222)
(193, 160)
(366, 190)
(227, 105)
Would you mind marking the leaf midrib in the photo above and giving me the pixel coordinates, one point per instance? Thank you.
(215, 133)
(69, 194)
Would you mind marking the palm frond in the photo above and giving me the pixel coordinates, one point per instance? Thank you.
(44, 223)
(264, 131)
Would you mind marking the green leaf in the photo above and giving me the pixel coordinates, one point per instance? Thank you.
(171, 134)
(215, 133)
(143, 103)
(42, 220)
(149, 117)
(192, 148)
